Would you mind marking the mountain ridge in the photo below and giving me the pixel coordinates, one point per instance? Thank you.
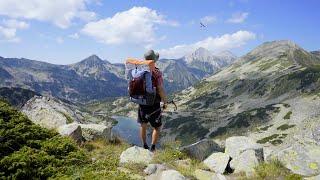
(89, 79)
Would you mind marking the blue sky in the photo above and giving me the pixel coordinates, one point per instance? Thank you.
(67, 31)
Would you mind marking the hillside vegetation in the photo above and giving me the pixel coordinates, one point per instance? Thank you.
(28, 151)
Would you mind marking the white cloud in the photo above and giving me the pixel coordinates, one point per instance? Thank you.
(208, 20)
(134, 26)
(58, 12)
(74, 36)
(9, 28)
(13, 23)
(8, 34)
(59, 40)
(220, 43)
(238, 17)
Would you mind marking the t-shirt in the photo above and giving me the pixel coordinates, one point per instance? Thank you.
(157, 79)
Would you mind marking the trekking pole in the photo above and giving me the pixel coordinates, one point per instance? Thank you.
(170, 102)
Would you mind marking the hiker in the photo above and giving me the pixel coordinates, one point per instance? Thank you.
(146, 89)
(155, 118)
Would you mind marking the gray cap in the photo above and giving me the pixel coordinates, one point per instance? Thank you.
(151, 55)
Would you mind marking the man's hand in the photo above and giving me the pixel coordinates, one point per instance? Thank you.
(165, 105)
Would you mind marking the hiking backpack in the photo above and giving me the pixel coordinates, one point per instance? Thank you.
(140, 87)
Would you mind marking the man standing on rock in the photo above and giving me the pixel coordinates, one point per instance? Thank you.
(153, 112)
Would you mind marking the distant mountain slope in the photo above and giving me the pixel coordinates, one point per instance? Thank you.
(96, 79)
(272, 73)
(271, 94)
(87, 80)
(207, 62)
(16, 96)
(188, 70)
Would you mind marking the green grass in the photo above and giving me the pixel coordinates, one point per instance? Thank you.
(103, 165)
(285, 127)
(274, 170)
(288, 115)
(169, 154)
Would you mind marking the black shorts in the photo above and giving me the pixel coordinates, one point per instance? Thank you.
(144, 115)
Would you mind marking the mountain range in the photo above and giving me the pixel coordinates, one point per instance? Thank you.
(270, 94)
(97, 79)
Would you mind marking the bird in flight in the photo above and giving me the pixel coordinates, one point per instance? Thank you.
(202, 25)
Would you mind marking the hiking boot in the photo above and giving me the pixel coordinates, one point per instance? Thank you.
(153, 148)
(145, 146)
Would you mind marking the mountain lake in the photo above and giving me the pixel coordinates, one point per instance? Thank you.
(127, 129)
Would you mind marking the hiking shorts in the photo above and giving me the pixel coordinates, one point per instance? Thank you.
(154, 119)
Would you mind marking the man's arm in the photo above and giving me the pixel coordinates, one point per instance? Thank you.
(163, 96)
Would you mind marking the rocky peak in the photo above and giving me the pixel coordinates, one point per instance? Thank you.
(270, 48)
(92, 61)
(200, 54)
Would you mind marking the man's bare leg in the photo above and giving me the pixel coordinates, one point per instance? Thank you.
(155, 137)
(143, 134)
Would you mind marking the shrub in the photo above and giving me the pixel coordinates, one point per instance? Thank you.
(288, 115)
(285, 127)
(274, 170)
(28, 151)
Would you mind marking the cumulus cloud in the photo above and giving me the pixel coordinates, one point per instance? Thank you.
(214, 44)
(8, 29)
(209, 19)
(58, 12)
(74, 36)
(134, 26)
(59, 40)
(13, 23)
(238, 17)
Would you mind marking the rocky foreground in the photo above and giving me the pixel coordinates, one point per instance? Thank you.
(223, 160)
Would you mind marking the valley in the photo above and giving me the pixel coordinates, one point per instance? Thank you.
(270, 95)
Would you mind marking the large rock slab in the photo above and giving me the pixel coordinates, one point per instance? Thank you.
(72, 130)
(301, 158)
(207, 175)
(217, 162)
(238, 144)
(171, 175)
(246, 162)
(136, 154)
(46, 112)
(203, 175)
(201, 149)
(155, 169)
(96, 131)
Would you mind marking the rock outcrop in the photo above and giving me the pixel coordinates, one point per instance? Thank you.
(245, 154)
(72, 130)
(236, 145)
(246, 162)
(202, 149)
(96, 131)
(136, 154)
(155, 169)
(172, 175)
(217, 162)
